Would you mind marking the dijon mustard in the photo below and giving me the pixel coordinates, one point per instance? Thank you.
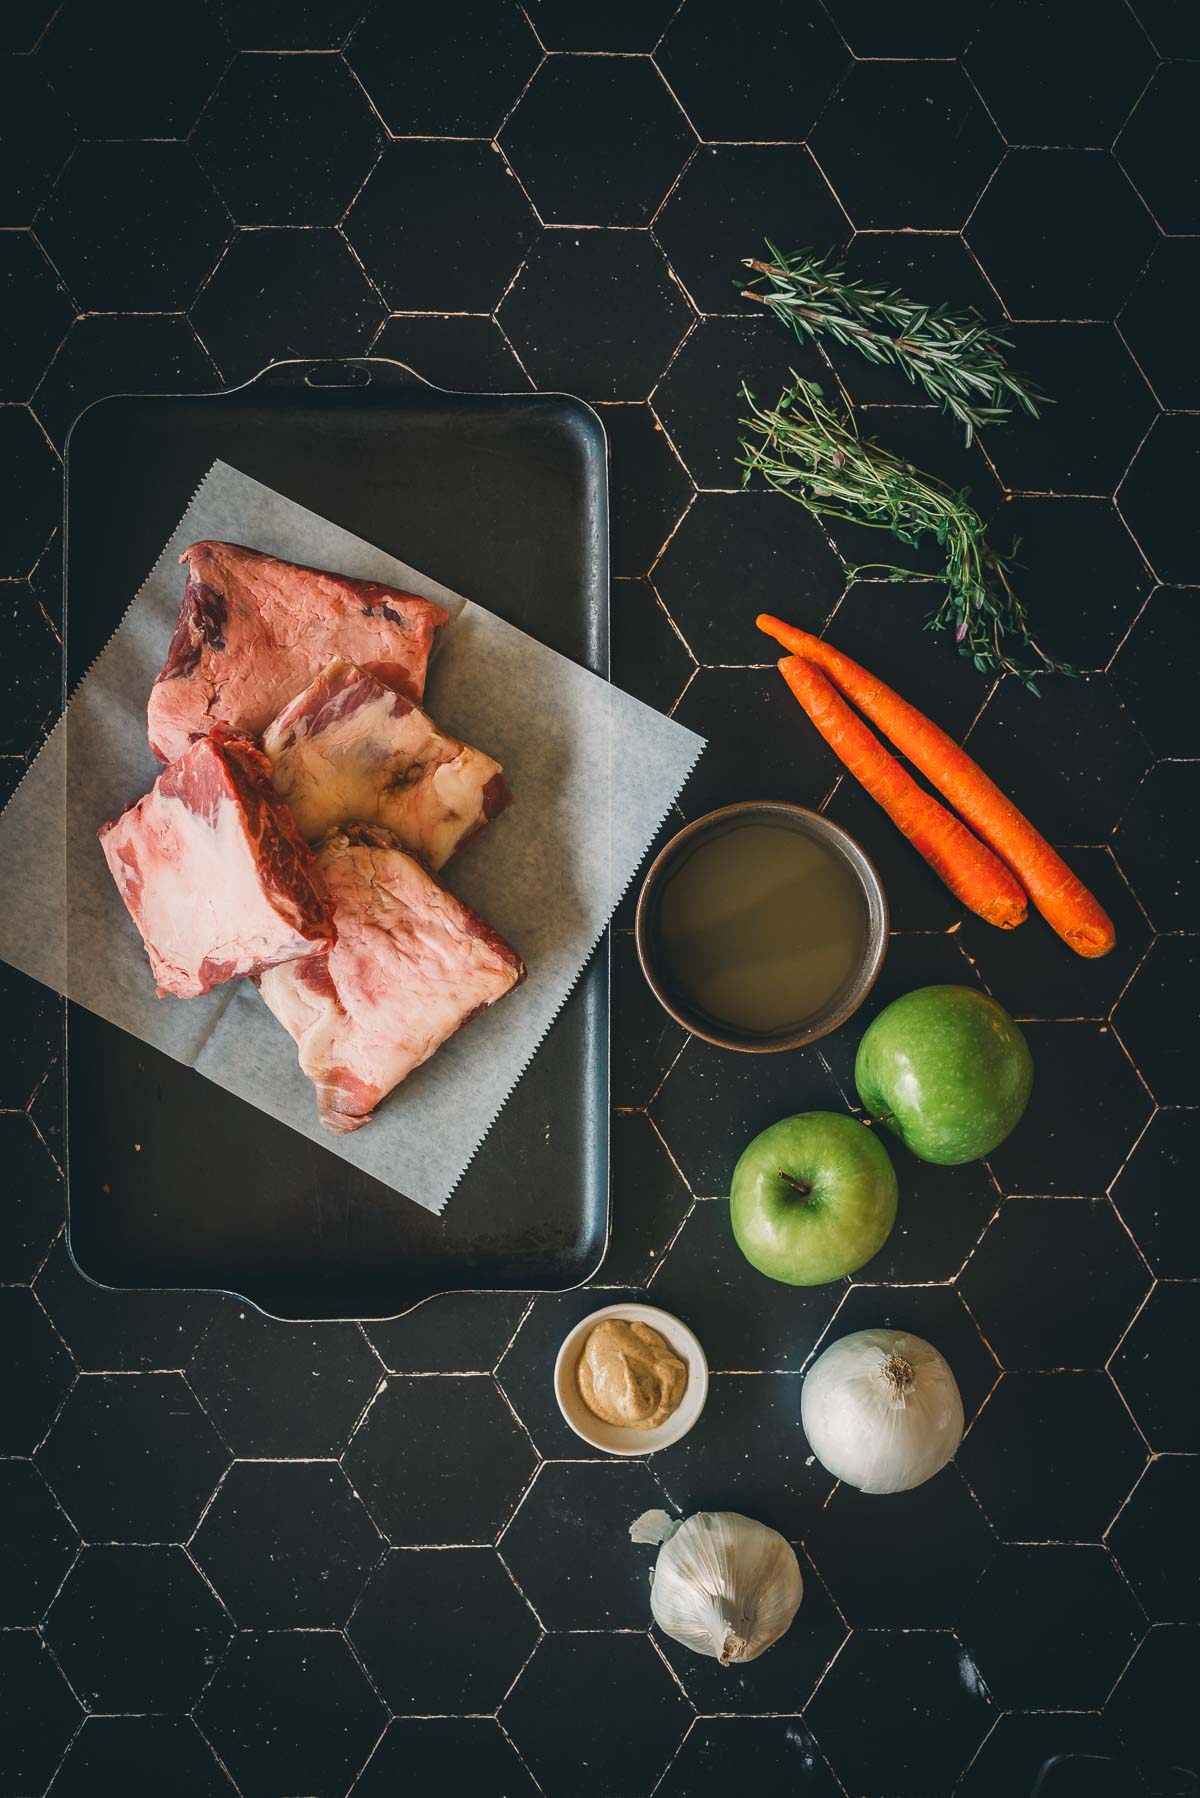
(629, 1375)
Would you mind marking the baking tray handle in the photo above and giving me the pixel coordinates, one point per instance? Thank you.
(339, 371)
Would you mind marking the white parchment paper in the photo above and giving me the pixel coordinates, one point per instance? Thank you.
(593, 772)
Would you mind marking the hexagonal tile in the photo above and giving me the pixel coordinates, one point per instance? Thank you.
(111, 353)
(37, 312)
(462, 1421)
(758, 741)
(749, 1455)
(907, 144)
(938, 28)
(747, 1321)
(30, 513)
(134, 226)
(760, 546)
(113, 1331)
(29, 1404)
(1152, 327)
(448, 74)
(863, 1547)
(560, 1714)
(441, 226)
(125, 78)
(1151, 1705)
(464, 353)
(1167, 882)
(1094, 234)
(730, 80)
(258, 144)
(649, 487)
(1151, 671)
(596, 313)
(116, 1754)
(456, 1332)
(137, 1629)
(1083, 541)
(459, 1754)
(291, 1711)
(718, 1751)
(1102, 408)
(36, 138)
(25, 1056)
(912, 961)
(1172, 25)
(132, 1458)
(298, 25)
(569, 1550)
(881, 623)
(1152, 1194)
(525, 1372)
(28, 643)
(1050, 1625)
(929, 1712)
(917, 899)
(649, 1039)
(597, 140)
(1155, 1373)
(41, 1542)
(485, 1630)
(1032, 1253)
(276, 1388)
(33, 1207)
(1020, 1745)
(1153, 148)
(1164, 992)
(936, 1313)
(943, 1212)
(730, 199)
(1168, 534)
(1044, 85)
(629, 25)
(1154, 1539)
(40, 1711)
(649, 657)
(24, 24)
(1069, 1142)
(656, 1201)
(286, 1544)
(1051, 1456)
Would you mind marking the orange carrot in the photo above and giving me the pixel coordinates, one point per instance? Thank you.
(970, 870)
(1061, 897)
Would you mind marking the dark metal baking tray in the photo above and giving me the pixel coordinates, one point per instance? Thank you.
(173, 1182)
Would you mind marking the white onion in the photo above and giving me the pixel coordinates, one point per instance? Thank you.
(881, 1410)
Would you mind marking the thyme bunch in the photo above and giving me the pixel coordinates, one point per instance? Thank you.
(955, 356)
(805, 450)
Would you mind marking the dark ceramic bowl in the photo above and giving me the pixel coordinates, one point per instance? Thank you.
(844, 1003)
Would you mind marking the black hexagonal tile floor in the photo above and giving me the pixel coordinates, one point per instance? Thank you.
(748, 1321)
(1050, 1625)
(1152, 1194)
(729, 201)
(485, 1630)
(27, 640)
(1155, 1372)
(457, 1332)
(42, 1544)
(595, 313)
(748, 1455)
(1173, 26)
(649, 657)
(117, 1754)
(113, 1331)
(862, 1545)
(928, 1712)
(451, 74)
(441, 227)
(1167, 532)
(35, 138)
(628, 25)
(718, 1751)
(30, 515)
(288, 24)
(1020, 1745)
(760, 744)
(937, 28)
(597, 140)
(917, 960)
(1087, 1109)
(649, 1038)
(1158, 1015)
(137, 1629)
(123, 76)
(435, 1497)
(25, 1057)
(649, 489)
(28, 1405)
(1081, 545)
(1153, 328)
(744, 86)
(134, 226)
(569, 1549)
(917, 899)
(1051, 1456)
(1035, 1251)
(260, 142)
(287, 1544)
(466, 353)
(1153, 148)
(37, 312)
(279, 1388)
(40, 1712)
(942, 1213)
(1047, 84)
(526, 1370)
(291, 1711)
(561, 1710)
(1093, 234)
(936, 1313)
(1167, 881)
(642, 1168)
(1154, 1539)
(120, 353)
(735, 554)
(34, 1208)
(1151, 1706)
(132, 1458)
(907, 145)
(24, 24)
(461, 1754)
(881, 623)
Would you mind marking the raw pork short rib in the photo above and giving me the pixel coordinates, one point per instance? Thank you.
(410, 966)
(350, 750)
(253, 630)
(214, 872)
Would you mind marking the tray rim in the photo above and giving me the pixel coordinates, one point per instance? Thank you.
(604, 946)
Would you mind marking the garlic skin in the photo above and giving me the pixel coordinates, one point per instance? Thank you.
(881, 1410)
(725, 1586)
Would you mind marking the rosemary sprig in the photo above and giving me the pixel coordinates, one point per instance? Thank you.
(805, 450)
(955, 356)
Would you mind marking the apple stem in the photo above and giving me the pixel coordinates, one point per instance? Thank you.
(803, 1187)
(885, 1117)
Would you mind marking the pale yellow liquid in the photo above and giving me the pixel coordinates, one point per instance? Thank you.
(761, 927)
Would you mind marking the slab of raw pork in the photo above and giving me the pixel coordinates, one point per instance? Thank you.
(410, 966)
(214, 872)
(253, 630)
(350, 750)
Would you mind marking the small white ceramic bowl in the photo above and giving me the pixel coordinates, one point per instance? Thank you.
(611, 1437)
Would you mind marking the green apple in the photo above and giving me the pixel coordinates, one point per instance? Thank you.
(813, 1197)
(947, 1071)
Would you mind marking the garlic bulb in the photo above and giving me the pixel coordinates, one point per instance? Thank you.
(723, 1585)
(881, 1410)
